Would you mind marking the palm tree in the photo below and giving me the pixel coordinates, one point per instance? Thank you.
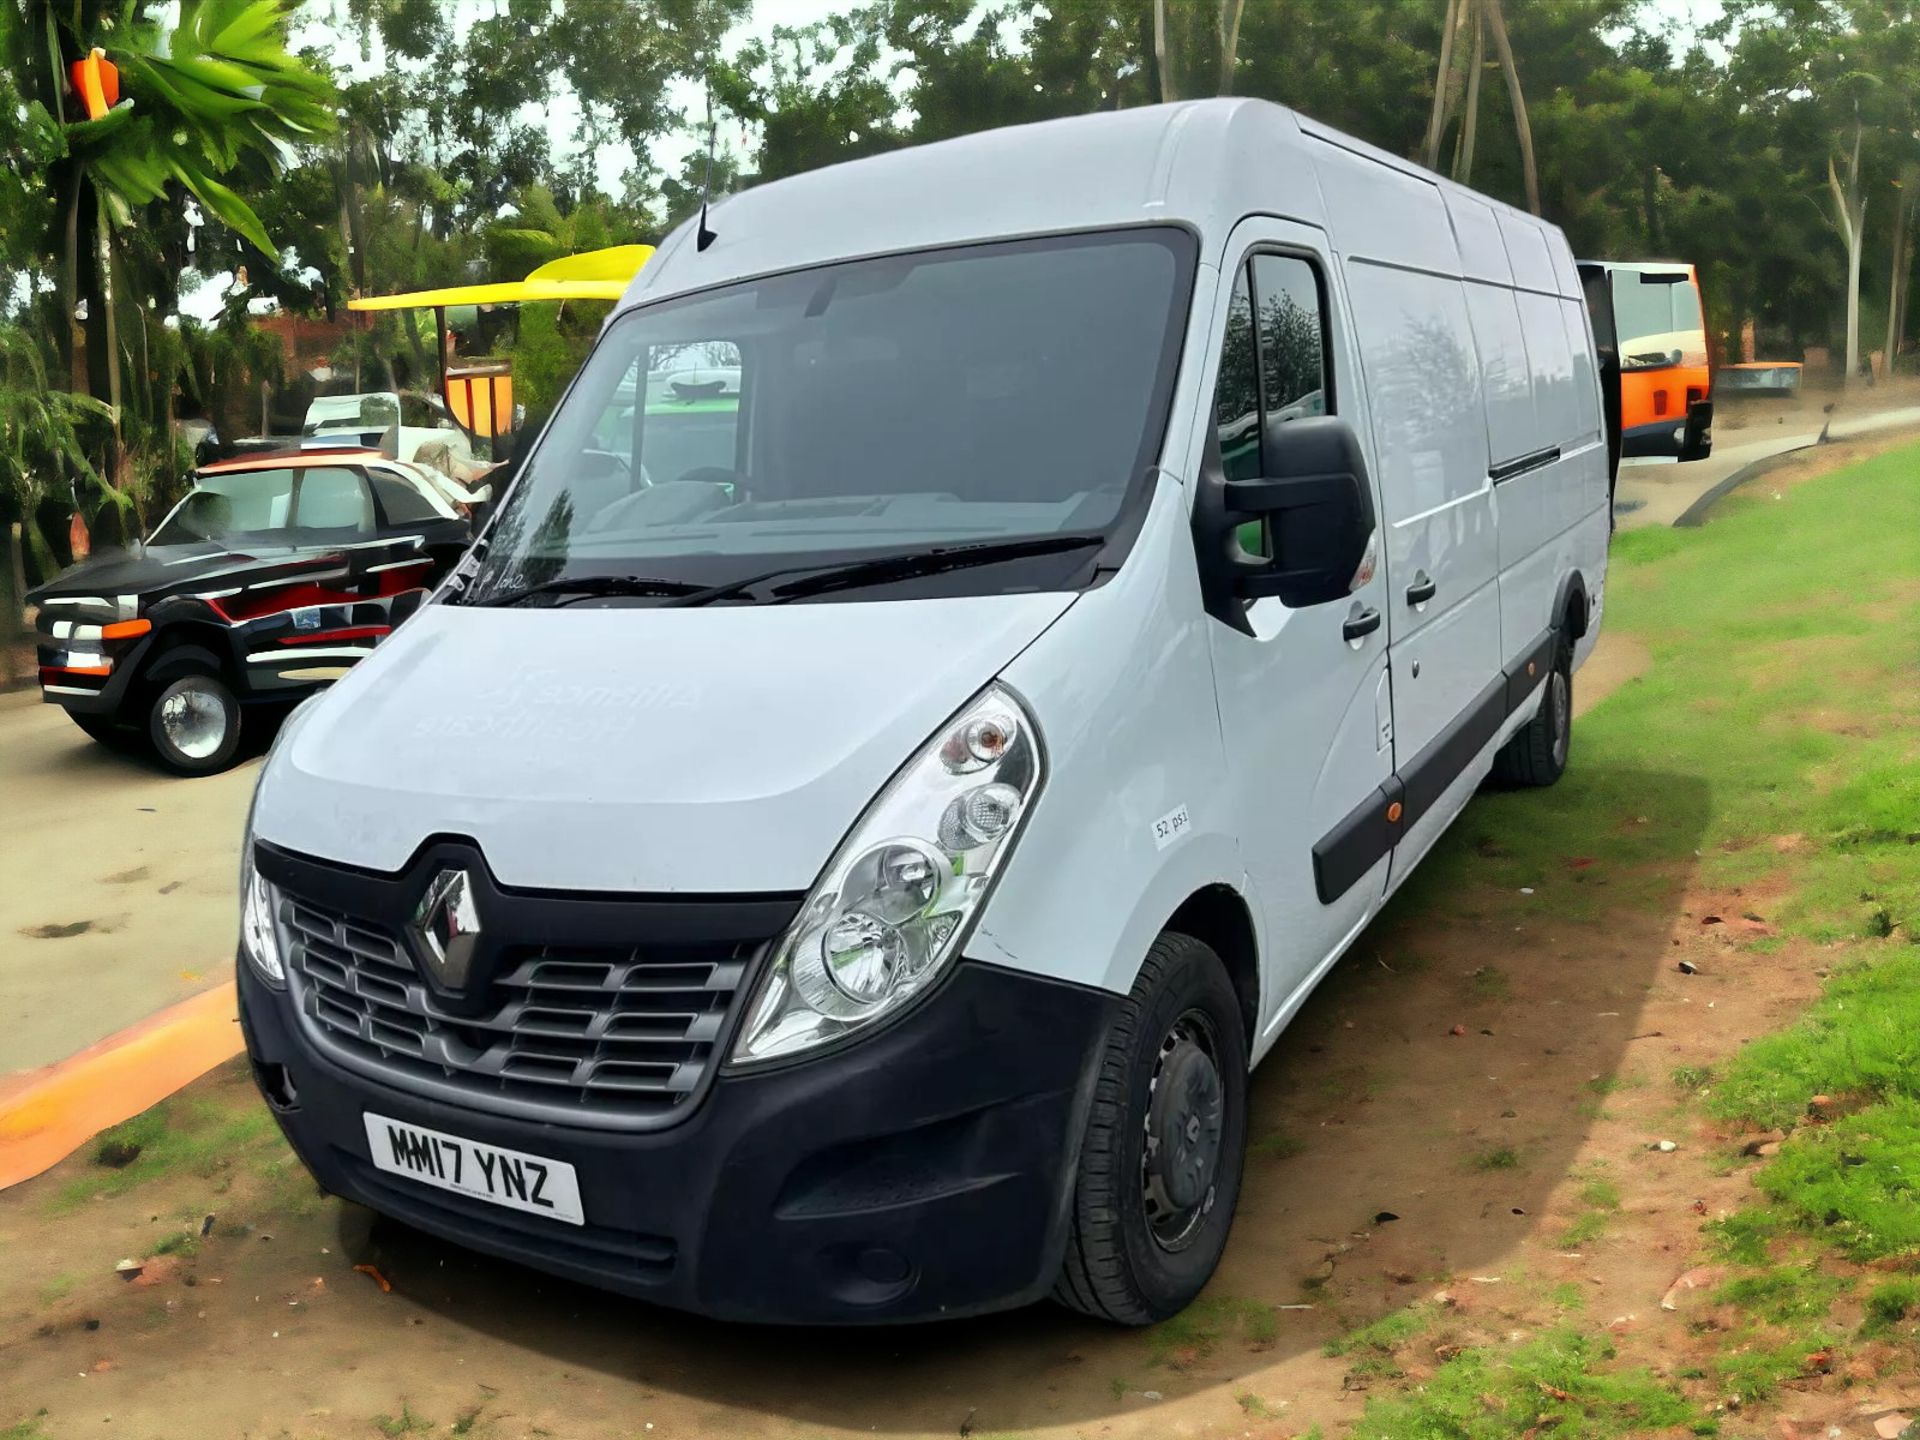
(218, 94)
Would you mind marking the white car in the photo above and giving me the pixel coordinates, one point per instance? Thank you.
(850, 878)
(399, 425)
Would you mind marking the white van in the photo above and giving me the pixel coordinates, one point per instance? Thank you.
(846, 873)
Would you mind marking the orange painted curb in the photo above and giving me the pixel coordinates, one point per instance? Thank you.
(47, 1114)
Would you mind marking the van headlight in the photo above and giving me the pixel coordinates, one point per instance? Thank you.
(894, 905)
(259, 942)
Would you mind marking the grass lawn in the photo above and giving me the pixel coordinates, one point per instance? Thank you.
(1783, 689)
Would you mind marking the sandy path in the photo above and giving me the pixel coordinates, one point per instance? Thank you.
(116, 884)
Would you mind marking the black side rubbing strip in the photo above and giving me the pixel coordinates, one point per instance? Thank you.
(1526, 673)
(1507, 470)
(1452, 750)
(1354, 846)
(1344, 855)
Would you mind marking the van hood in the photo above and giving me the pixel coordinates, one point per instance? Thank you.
(632, 749)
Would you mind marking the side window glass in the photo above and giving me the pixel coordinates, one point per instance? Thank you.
(1293, 338)
(333, 500)
(1236, 395)
(403, 504)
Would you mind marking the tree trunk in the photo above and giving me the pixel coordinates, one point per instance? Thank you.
(110, 329)
(1470, 122)
(1168, 91)
(1230, 13)
(1897, 290)
(1497, 23)
(70, 279)
(1442, 84)
(16, 613)
(1850, 219)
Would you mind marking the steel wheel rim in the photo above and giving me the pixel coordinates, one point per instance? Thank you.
(1559, 696)
(194, 720)
(1184, 1126)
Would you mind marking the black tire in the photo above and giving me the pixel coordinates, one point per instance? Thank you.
(1537, 754)
(207, 699)
(1128, 1258)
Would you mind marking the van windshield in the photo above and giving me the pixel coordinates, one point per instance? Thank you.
(878, 407)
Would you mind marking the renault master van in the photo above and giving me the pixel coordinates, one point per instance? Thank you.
(845, 870)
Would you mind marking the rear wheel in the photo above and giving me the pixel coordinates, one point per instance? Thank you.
(1537, 754)
(193, 723)
(1166, 1141)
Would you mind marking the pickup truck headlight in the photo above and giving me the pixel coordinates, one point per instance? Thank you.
(259, 941)
(895, 903)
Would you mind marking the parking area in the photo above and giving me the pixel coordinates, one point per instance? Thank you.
(1483, 1143)
(118, 891)
(1421, 1129)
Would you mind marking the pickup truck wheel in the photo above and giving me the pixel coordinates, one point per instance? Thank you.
(194, 724)
(1165, 1145)
(1537, 754)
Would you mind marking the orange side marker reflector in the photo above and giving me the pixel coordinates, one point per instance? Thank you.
(125, 629)
(1393, 813)
(47, 1114)
(1529, 669)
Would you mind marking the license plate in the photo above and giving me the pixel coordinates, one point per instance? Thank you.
(511, 1178)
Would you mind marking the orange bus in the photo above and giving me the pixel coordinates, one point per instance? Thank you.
(1666, 376)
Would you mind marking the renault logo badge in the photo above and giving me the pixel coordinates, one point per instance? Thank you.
(446, 927)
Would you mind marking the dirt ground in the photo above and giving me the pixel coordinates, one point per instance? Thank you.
(120, 884)
(1741, 417)
(1426, 1128)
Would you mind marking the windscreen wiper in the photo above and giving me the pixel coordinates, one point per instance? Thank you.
(586, 587)
(881, 569)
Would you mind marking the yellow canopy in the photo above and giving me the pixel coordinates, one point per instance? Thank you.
(592, 275)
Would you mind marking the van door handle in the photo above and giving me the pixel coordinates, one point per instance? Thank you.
(1362, 624)
(1421, 591)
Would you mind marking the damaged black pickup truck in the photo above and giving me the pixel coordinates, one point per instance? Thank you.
(273, 574)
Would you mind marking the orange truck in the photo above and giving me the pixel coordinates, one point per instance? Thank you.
(1666, 375)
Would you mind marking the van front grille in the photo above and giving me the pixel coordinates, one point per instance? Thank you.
(613, 1034)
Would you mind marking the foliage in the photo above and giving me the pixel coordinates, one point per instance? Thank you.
(1861, 1039)
(1857, 1181)
(1553, 1383)
(43, 438)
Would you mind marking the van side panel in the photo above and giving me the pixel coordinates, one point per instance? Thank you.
(1483, 253)
(1430, 437)
(1505, 373)
(1553, 516)
(1527, 249)
(1378, 213)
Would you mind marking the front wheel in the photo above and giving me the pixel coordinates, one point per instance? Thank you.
(194, 724)
(1165, 1145)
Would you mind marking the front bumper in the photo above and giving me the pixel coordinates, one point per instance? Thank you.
(923, 1172)
(89, 694)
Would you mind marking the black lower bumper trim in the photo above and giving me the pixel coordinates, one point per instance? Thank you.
(923, 1172)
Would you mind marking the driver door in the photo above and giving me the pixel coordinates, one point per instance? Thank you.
(1303, 692)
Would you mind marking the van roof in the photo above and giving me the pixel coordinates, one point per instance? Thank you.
(1202, 163)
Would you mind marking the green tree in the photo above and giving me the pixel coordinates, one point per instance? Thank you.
(214, 99)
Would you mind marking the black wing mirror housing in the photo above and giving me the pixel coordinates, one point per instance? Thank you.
(1318, 507)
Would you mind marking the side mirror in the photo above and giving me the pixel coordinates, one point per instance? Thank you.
(1318, 508)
